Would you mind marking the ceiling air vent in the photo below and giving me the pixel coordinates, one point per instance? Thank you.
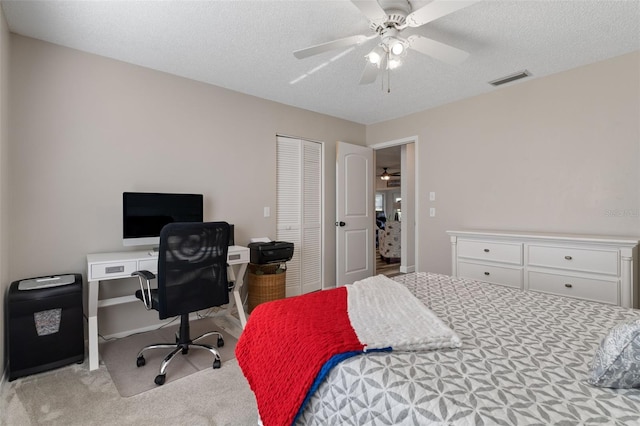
(510, 78)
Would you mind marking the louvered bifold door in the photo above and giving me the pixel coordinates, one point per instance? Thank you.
(311, 217)
(299, 211)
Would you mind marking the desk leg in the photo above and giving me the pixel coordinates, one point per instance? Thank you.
(238, 279)
(236, 294)
(92, 306)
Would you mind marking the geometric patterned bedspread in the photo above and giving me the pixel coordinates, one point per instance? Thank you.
(523, 361)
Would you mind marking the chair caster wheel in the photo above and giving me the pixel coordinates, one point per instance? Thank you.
(185, 351)
(160, 379)
(220, 342)
(140, 361)
(217, 363)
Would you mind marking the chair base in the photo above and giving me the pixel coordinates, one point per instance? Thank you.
(183, 344)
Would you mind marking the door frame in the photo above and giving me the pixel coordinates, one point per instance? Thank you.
(404, 231)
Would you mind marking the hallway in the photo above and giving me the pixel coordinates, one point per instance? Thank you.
(388, 269)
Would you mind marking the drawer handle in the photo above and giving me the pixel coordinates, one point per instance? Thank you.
(487, 250)
(567, 285)
(487, 273)
(568, 257)
(114, 269)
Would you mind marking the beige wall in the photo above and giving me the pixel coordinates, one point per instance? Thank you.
(555, 154)
(86, 128)
(4, 175)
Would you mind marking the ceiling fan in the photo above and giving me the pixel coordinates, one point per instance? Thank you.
(386, 175)
(388, 18)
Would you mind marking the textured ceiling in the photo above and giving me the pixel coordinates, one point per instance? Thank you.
(247, 46)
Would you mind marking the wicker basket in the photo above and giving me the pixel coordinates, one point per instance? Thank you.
(266, 283)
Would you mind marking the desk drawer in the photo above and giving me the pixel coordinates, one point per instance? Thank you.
(575, 259)
(511, 277)
(237, 255)
(567, 285)
(150, 265)
(491, 251)
(103, 271)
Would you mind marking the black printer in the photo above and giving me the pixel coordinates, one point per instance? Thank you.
(270, 252)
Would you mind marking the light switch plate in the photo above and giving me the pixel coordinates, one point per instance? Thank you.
(432, 196)
(432, 212)
(267, 211)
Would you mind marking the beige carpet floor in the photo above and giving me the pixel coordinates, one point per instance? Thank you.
(119, 356)
(73, 395)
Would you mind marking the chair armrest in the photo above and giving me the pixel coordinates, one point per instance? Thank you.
(147, 276)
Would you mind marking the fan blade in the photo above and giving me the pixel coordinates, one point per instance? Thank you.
(440, 51)
(331, 45)
(436, 9)
(372, 10)
(369, 74)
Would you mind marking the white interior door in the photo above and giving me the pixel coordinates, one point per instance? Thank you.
(354, 213)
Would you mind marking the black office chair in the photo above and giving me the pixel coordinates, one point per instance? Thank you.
(192, 275)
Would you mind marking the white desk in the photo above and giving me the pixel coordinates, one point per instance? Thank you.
(115, 266)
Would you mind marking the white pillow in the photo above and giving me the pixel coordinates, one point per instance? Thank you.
(616, 363)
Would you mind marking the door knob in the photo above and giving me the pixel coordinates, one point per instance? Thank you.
(341, 223)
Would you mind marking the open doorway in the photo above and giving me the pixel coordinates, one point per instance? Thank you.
(388, 206)
(395, 207)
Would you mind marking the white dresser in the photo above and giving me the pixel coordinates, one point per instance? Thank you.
(598, 268)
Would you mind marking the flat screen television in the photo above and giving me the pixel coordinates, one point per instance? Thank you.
(145, 213)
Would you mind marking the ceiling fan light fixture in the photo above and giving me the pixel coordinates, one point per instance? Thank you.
(394, 63)
(385, 175)
(397, 47)
(375, 56)
(387, 20)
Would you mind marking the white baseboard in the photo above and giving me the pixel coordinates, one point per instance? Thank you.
(407, 269)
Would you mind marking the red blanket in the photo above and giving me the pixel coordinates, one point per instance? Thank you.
(292, 341)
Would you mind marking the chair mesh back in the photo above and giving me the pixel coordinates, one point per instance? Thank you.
(192, 267)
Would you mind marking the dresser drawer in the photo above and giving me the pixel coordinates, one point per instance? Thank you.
(582, 288)
(575, 259)
(103, 271)
(511, 277)
(491, 251)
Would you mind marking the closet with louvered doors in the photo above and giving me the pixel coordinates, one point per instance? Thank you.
(299, 208)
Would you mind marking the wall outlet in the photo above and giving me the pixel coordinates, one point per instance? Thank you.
(432, 212)
(267, 211)
(432, 196)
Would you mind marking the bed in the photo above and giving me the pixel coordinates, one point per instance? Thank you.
(524, 359)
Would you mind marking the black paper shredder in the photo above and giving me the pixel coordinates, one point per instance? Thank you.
(44, 324)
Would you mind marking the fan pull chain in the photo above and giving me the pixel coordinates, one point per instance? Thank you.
(388, 69)
(388, 79)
